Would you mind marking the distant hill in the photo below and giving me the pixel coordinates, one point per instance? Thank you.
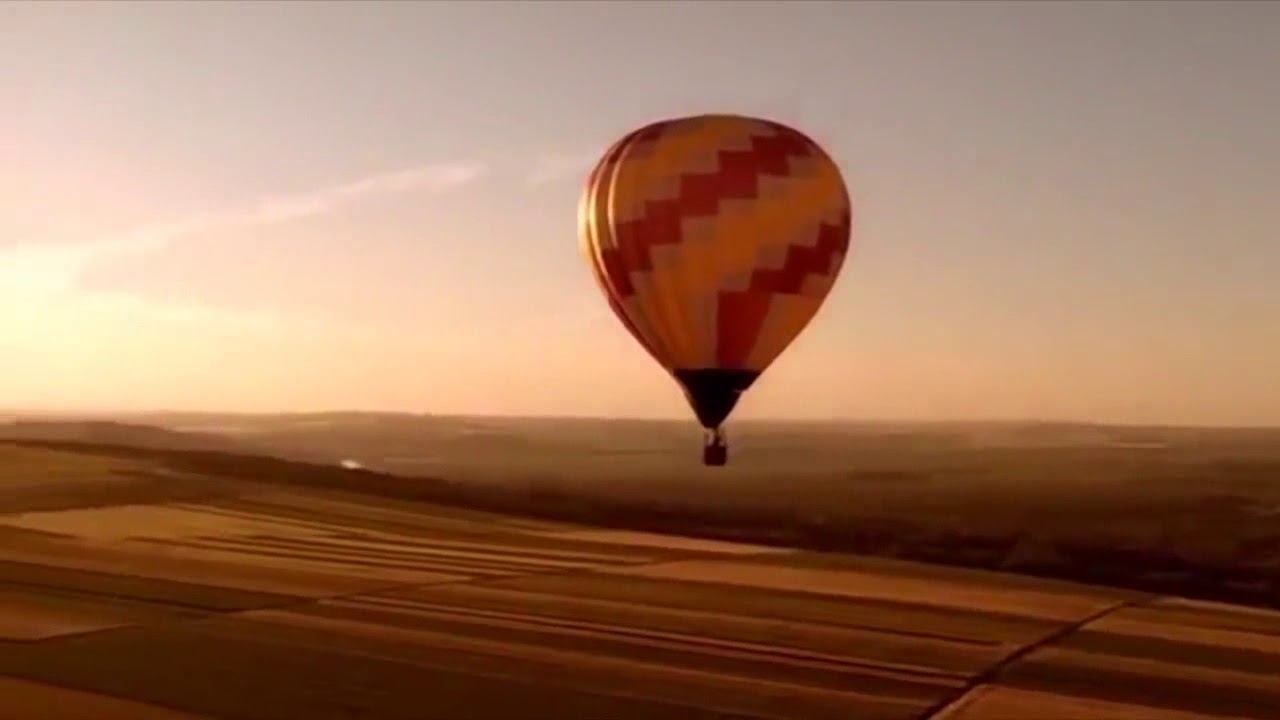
(110, 432)
(594, 447)
(651, 453)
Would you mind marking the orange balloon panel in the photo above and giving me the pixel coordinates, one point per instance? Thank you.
(715, 238)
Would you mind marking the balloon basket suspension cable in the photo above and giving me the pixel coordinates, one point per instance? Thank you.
(715, 452)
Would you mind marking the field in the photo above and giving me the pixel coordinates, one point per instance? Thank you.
(1193, 512)
(153, 584)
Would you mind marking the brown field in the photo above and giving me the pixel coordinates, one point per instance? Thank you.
(1185, 511)
(176, 585)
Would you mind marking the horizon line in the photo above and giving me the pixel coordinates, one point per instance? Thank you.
(97, 414)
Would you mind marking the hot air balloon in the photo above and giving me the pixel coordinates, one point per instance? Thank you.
(715, 239)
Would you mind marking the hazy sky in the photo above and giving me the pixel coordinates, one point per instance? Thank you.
(1063, 210)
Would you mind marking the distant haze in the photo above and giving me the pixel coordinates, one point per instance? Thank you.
(1063, 210)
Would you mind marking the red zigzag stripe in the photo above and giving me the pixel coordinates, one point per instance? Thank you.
(736, 177)
(803, 260)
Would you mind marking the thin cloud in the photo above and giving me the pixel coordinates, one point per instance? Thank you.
(432, 178)
(556, 167)
(428, 178)
(41, 280)
(44, 268)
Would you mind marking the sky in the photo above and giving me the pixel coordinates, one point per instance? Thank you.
(1063, 210)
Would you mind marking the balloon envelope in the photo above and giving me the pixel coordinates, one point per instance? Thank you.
(715, 239)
